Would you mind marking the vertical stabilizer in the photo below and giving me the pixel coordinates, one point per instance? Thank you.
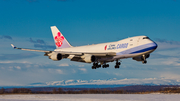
(59, 39)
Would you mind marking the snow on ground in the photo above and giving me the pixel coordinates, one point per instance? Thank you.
(91, 97)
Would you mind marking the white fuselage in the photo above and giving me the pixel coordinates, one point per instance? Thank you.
(126, 48)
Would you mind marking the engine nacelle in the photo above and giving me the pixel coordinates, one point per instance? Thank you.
(55, 56)
(88, 58)
(140, 58)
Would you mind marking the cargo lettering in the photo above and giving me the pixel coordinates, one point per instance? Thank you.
(124, 45)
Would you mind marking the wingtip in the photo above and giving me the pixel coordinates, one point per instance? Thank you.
(13, 46)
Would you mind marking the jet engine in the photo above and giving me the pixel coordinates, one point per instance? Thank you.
(140, 58)
(56, 56)
(88, 58)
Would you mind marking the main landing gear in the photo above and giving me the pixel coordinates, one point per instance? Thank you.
(96, 65)
(104, 65)
(117, 64)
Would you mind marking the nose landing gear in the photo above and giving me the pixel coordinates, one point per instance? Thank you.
(144, 59)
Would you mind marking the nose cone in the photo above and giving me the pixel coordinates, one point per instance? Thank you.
(155, 45)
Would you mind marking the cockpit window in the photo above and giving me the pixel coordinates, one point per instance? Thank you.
(146, 38)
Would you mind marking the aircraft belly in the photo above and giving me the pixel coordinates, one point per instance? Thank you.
(123, 56)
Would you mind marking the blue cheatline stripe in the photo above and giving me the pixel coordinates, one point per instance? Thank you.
(144, 50)
(139, 49)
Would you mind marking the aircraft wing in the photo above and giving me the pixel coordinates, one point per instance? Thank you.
(31, 49)
(69, 53)
(92, 53)
(103, 54)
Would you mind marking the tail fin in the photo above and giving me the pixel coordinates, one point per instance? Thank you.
(59, 39)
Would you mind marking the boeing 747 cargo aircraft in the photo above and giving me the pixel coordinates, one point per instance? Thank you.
(138, 48)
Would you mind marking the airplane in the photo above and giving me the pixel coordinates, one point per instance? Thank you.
(138, 48)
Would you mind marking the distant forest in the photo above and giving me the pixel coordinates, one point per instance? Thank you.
(137, 89)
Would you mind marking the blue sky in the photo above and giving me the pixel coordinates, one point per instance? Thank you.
(26, 23)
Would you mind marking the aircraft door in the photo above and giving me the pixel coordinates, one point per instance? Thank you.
(138, 40)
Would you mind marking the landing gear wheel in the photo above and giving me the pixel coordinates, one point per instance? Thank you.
(96, 65)
(118, 63)
(116, 66)
(144, 58)
(105, 65)
(144, 62)
(93, 67)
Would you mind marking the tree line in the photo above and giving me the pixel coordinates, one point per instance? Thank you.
(87, 91)
(60, 91)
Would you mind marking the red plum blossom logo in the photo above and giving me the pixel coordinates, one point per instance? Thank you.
(59, 39)
(105, 47)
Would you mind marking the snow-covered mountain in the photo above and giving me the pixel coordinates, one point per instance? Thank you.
(114, 81)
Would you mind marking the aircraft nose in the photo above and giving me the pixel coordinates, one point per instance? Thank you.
(155, 45)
